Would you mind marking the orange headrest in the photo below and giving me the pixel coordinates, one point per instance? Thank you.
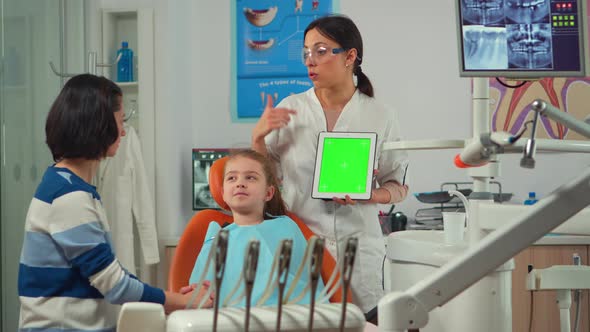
(216, 181)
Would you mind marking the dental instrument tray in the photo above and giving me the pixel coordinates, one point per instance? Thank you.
(436, 197)
(441, 197)
(499, 196)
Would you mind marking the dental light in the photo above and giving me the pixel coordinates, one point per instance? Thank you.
(479, 151)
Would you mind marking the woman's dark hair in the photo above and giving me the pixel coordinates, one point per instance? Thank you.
(276, 206)
(342, 30)
(81, 122)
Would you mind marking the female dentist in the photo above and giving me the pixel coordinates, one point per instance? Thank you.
(333, 53)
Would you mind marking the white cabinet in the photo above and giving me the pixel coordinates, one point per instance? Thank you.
(136, 27)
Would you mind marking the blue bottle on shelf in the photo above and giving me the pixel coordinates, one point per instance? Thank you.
(532, 199)
(125, 63)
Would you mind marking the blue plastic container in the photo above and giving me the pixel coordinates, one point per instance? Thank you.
(125, 63)
(532, 199)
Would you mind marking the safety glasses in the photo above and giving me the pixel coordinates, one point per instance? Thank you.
(319, 54)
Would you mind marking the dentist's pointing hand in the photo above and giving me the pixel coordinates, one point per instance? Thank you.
(271, 119)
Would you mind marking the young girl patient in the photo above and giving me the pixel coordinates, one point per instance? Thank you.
(250, 189)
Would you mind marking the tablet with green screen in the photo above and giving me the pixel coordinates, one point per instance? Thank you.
(344, 165)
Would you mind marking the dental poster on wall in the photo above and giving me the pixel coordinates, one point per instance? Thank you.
(268, 44)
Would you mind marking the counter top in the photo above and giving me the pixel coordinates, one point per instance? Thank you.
(556, 240)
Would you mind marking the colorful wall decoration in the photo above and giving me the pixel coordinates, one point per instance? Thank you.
(268, 44)
(511, 107)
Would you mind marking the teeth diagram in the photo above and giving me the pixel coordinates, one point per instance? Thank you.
(268, 40)
(260, 17)
(260, 44)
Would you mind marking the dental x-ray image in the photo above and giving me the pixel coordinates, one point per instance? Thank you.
(202, 161)
(484, 48)
(483, 12)
(529, 46)
(500, 12)
(526, 11)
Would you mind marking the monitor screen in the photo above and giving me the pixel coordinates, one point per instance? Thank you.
(202, 161)
(522, 38)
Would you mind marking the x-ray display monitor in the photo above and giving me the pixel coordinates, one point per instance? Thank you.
(202, 161)
(523, 38)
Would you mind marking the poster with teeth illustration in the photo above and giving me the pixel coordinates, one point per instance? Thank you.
(267, 47)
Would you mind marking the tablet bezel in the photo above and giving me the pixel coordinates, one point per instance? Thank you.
(315, 193)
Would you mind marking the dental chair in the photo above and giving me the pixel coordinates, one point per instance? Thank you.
(192, 238)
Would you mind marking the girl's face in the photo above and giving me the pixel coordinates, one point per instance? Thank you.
(327, 63)
(244, 186)
(119, 117)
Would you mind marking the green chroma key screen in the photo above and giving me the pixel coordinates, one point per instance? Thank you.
(345, 164)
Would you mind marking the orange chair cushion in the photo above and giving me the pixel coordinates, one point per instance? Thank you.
(216, 182)
(192, 238)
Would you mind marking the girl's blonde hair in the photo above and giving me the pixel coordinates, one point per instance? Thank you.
(275, 206)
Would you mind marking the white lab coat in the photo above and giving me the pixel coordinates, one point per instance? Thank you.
(294, 147)
(122, 184)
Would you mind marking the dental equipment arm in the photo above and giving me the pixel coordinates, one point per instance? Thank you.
(479, 151)
(409, 310)
(542, 108)
(528, 157)
(564, 118)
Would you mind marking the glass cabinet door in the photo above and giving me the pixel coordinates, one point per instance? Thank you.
(31, 36)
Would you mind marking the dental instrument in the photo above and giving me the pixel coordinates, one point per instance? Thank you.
(275, 265)
(317, 256)
(348, 264)
(210, 258)
(220, 255)
(300, 269)
(282, 274)
(249, 274)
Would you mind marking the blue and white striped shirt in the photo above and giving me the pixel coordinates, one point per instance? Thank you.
(69, 277)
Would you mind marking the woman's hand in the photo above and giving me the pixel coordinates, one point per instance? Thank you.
(376, 197)
(391, 192)
(271, 119)
(191, 287)
(346, 201)
(201, 293)
(177, 301)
